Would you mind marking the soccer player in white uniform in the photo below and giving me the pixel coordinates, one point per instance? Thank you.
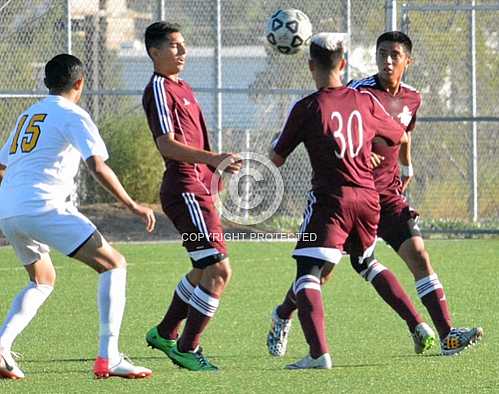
(38, 164)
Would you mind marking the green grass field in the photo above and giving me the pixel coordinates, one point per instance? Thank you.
(370, 345)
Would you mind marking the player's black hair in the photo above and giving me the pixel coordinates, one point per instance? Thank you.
(61, 72)
(324, 58)
(157, 34)
(395, 36)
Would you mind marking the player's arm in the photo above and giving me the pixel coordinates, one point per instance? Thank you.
(3, 159)
(83, 134)
(406, 169)
(107, 178)
(175, 150)
(285, 142)
(2, 171)
(278, 160)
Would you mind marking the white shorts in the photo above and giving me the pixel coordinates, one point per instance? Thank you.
(64, 229)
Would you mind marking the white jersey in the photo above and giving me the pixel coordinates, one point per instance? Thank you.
(42, 156)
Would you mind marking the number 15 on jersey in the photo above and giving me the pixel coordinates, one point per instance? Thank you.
(30, 136)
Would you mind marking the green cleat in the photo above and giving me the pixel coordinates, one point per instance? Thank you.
(193, 361)
(423, 337)
(156, 341)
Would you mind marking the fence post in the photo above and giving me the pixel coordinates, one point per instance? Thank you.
(218, 76)
(161, 10)
(390, 15)
(69, 34)
(348, 28)
(474, 160)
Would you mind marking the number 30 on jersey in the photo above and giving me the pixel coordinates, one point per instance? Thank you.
(347, 141)
(31, 134)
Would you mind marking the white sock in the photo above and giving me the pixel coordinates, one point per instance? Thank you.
(184, 289)
(428, 284)
(22, 311)
(204, 302)
(111, 298)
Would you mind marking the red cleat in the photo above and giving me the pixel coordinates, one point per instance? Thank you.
(8, 366)
(123, 369)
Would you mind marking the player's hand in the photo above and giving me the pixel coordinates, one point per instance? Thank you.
(147, 214)
(405, 182)
(376, 159)
(232, 163)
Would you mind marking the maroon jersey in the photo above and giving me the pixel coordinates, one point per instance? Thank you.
(337, 126)
(402, 107)
(171, 107)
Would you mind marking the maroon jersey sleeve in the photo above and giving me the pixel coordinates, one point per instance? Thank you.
(158, 106)
(292, 133)
(385, 125)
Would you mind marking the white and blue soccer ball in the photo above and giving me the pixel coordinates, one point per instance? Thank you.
(289, 31)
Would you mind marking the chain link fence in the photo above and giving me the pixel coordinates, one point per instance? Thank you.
(246, 89)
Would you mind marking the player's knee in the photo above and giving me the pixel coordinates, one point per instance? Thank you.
(220, 272)
(368, 268)
(117, 260)
(49, 279)
(195, 276)
(224, 270)
(422, 265)
(308, 266)
(45, 278)
(358, 265)
(327, 273)
(42, 272)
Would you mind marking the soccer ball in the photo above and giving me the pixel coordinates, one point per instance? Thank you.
(289, 31)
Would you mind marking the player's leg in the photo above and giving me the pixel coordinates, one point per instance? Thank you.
(384, 281)
(410, 247)
(204, 303)
(391, 291)
(74, 235)
(163, 336)
(428, 286)
(311, 313)
(27, 302)
(203, 238)
(311, 254)
(277, 337)
(96, 252)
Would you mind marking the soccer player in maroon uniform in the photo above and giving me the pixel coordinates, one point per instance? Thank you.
(337, 125)
(398, 222)
(180, 133)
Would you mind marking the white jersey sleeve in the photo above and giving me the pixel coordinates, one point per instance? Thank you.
(83, 134)
(4, 153)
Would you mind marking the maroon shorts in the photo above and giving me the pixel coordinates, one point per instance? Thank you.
(398, 221)
(333, 223)
(198, 222)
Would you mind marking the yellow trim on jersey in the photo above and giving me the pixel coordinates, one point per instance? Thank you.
(32, 133)
(20, 125)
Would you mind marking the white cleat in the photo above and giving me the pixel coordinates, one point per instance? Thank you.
(8, 366)
(322, 362)
(277, 338)
(423, 337)
(123, 369)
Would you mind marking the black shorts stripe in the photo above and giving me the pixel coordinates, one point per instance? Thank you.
(72, 254)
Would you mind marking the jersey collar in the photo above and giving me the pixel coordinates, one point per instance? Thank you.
(179, 82)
